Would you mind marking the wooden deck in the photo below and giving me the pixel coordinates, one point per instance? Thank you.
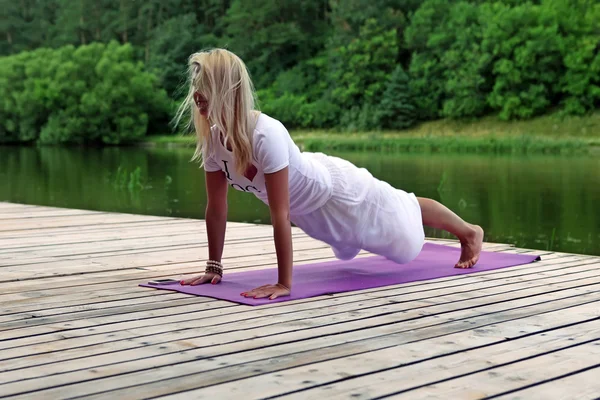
(74, 323)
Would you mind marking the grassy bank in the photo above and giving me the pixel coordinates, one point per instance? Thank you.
(525, 144)
(546, 134)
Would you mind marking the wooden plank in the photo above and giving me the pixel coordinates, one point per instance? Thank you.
(193, 368)
(135, 245)
(107, 313)
(21, 207)
(136, 259)
(31, 209)
(124, 337)
(92, 295)
(232, 252)
(562, 272)
(111, 227)
(173, 321)
(483, 289)
(26, 256)
(77, 251)
(95, 219)
(400, 368)
(80, 299)
(64, 213)
(128, 278)
(421, 293)
(578, 386)
(10, 245)
(513, 375)
(143, 256)
(102, 280)
(370, 322)
(114, 234)
(384, 293)
(123, 303)
(121, 232)
(232, 262)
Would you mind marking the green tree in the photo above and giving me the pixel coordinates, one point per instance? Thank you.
(426, 72)
(450, 71)
(171, 44)
(396, 110)
(316, 63)
(360, 75)
(348, 16)
(79, 22)
(579, 28)
(93, 93)
(364, 65)
(26, 24)
(13, 75)
(273, 35)
(525, 45)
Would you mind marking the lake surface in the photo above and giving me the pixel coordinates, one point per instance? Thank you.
(537, 202)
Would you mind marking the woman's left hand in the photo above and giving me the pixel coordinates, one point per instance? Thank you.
(270, 291)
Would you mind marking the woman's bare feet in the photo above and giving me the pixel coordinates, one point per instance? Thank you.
(470, 247)
(439, 216)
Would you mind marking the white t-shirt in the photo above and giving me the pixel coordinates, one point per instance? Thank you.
(273, 150)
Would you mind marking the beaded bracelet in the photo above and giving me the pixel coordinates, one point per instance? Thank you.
(213, 271)
(214, 267)
(215, 263)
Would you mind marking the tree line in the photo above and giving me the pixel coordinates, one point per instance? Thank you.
(112, 71)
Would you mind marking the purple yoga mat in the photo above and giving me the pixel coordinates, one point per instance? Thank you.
(309, 280)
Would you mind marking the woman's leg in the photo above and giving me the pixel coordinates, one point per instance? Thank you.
(436, 215)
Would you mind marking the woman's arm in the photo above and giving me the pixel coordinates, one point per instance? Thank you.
(216, 222)
(279, 205)
(216, 213)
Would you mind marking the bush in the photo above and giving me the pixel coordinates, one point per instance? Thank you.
(527, 61)
(94, 93)
(319, 114)
(295, 111)
(579, 23)
(285, 108)
(361, 118)
(361, 68)
(519, 59)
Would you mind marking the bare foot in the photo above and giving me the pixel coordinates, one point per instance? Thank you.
(470, 248)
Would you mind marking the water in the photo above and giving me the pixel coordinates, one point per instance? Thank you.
(541, 202)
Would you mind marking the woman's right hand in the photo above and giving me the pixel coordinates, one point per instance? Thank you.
(200, 279)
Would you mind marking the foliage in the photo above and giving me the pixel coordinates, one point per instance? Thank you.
(274, 35)
(524, 42)
(579, 27)
(517, 59)
(93, 93)
(172, 43)
(396, 110)
(353, 64)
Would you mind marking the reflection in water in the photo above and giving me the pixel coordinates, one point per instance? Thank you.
(543, 202)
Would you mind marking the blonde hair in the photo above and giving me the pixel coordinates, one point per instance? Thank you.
(223, 79)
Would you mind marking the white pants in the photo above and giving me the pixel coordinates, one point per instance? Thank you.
(364, 213)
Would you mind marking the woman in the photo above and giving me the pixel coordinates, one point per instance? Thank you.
(327, 197)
